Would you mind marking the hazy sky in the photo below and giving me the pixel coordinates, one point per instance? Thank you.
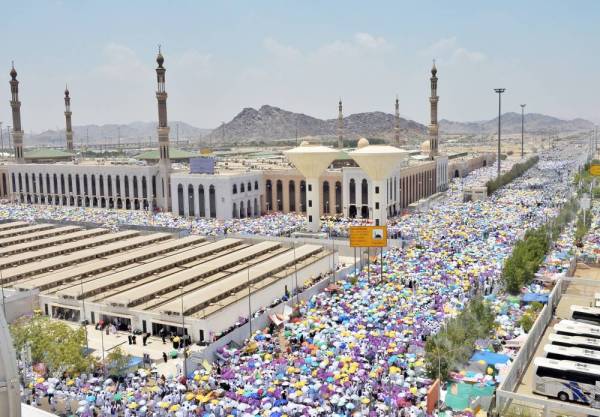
(222, 56)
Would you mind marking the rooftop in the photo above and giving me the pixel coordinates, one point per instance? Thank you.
(174, 153)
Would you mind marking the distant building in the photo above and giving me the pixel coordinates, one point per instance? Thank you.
(236, 189)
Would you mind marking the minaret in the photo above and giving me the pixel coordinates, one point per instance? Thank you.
(68, 127)
(397, 124)
(340, 126)
(164, 162)
(433, 127)
(16, 116)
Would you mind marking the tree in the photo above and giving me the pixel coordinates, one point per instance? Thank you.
(52, 342)
(117, 361)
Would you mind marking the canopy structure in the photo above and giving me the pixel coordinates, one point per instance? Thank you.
(378, 161)
(311, 161)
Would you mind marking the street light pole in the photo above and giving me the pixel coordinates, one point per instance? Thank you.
(499, 91)
(522, 129)
(183, 338)
(249, 305)
(84, 315)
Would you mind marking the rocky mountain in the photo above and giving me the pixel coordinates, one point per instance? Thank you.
(511, 123)
(271, 123)
(110, 133)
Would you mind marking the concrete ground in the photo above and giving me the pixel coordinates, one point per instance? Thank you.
(577, 293)
(154, 347)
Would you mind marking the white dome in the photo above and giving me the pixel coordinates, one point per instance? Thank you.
(362, 142)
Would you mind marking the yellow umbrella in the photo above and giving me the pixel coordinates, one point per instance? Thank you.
(133, 405)
(189, 396)
(365, 401)
(164, 404)
(39, 380)
(174, 407)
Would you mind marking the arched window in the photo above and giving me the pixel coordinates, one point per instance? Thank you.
(202, 210)
(279, 193)
(101, 184)
(234, 189)
(326, 197)
(118, 185)
(144, 188)
(70, 183)
(352, 191)
(292, 195)
(256, 212)
(55, 189)
(365, 192)
(93, 184)
(256, 185)
(249, 209)
(242, 211)
(249, 187)
(234, 212)
(180, 199)
(338, 197)
(85, 184)
(242, 188)
(126, 185)
(109, 185)
(212, 201)
(153, 186)
(41, 180)
(269, 195)
(26, 182)
(303, 196)
(191, 208)
(62, 184)
(77, 186)
(135, 187)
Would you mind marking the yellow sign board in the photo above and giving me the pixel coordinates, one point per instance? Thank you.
(205, 151)
(595, 170)
(368, 236)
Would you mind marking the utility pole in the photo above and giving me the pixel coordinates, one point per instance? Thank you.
(522, 129)
(499, 91)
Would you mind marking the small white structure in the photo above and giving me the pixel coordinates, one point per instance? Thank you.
(10, 404)
(312, 161)
(378, 161)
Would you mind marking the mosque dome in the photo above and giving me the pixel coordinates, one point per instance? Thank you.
(362, 142)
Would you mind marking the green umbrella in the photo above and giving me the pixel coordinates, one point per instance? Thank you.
(118, 396)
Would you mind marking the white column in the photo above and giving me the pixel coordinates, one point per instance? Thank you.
(196, 201)
(379, 196)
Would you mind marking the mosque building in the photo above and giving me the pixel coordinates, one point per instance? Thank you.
(231, 190)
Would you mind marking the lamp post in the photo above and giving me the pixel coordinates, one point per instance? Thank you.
(499, 91)
(522, 129)
(183, 338)
(84, 315)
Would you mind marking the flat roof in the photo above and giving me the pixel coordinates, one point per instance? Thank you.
(12, 225)
(39, 235)
(216, 289)
(23, 230)
(133, 296)
(46, 265)
(141, 271)
(97, 265)
(76, 241)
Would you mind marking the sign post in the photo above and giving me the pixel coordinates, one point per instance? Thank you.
(369, 237)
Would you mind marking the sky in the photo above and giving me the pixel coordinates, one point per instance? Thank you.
(222, 56)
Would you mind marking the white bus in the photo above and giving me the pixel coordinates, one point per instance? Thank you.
(577, 354)
(585, 314)
(566, 380)
(576, 341)
(575, 328)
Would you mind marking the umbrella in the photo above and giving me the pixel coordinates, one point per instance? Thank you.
(133, 405)
(118, 396)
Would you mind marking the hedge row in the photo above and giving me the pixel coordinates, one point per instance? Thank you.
(515, 172)
(529, 252)
(452, 346)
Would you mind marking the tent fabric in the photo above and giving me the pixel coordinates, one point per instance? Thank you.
(532, 297)
(490, 358)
